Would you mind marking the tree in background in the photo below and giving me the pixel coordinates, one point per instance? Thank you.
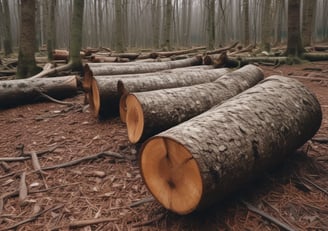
(26, 60)
(246, 22)
(76, 36)
(308, 21)
(210, 4)
(294, 40)
(7, 42)
(118, 26)
(51, 27)
(167, 25)
(266, 27)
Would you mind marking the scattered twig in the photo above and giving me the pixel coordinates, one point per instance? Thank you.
(55, 100)
(142, 201)
(22, 188)
(37, 167)
(267, 216)
(75, 162)
(6, 196)
(82, 223)
(32, 218)
(4, 166)
(144, 223)
(315, 185)
(26, 156)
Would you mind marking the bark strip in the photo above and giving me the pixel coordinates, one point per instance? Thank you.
(199, 162)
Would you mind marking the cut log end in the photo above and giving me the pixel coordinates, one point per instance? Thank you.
(134, 119)
(171, 174)
(123, 108)
(94, 97)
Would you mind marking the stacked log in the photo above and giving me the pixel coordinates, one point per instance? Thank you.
(17, 92)
(200, 161)
(154, 111)
(164, 81)
(104, 96)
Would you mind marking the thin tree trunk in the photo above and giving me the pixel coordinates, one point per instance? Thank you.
(51, 29)
(151, 112)
(167, 25)
(7, 42)
(118, 26)
(201, 161)
(246, 21)
(266, 26)
(308, 21)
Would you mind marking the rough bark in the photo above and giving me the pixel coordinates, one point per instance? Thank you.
(199, 162)
(17, 92)
(76, 36)
(164, 81)
(7, 42)
(294, 40)
(127, 68)
(151, 112)
(26, 60)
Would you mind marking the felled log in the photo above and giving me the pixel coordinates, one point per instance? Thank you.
(129, 56)
(320, 48)
(199, 162)
(315, 56)
(102, 59)
(63, 54)
(151, 112)
(140, 67)
(164, 81)
(22, 91)
(217, 51)
(180, 52)
(104, 96)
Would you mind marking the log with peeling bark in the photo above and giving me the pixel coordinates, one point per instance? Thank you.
(104, 96)
(164, 81)
(149, 113)
(199, 162)
(22, 91)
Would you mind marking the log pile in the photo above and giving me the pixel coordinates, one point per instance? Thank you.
(200, 161)
(154, 111)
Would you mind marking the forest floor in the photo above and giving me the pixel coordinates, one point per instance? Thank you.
(106, 192)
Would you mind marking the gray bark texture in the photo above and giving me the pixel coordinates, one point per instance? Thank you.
(248, 134)
(164, 80)
(110, 96)
(166, 108)
(142, 67)
(17, 92)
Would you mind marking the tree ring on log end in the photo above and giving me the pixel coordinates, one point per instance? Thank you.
(171, 174)
(95, 97)
(134, 119)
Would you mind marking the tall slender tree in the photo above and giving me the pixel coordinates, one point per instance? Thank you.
(118, 26)
(308, 21)
(7, 43)
(294, 42)
(76, 36)
(167, 25)
(266, 26)
(26, 60)
(51, 28)
(246, 21)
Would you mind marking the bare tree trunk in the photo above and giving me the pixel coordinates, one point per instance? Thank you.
(76, 36)
(51, 28)
(151, 112)
(167, 25)
(246, 21)
(156, 15)
(266, 30)
(308, 21)
(26, 60)
(119, 26)
(203, 160)
(294, 43)
(210, 4)
(7, 42)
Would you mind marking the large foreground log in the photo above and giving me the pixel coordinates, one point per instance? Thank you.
(154, 111)
(197, 163)
(164, 81)
(17, 92)
(104, 96)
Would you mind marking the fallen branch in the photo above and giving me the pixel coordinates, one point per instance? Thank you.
(55, 100)
(144, 223)
(75, 162)
(267, 216)
(315, 185)
(52, 71)
(82, 223)
(6, 196)
(26, 156)
(22, 188)
(142, 201)
(217, 51)
(30, 219)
